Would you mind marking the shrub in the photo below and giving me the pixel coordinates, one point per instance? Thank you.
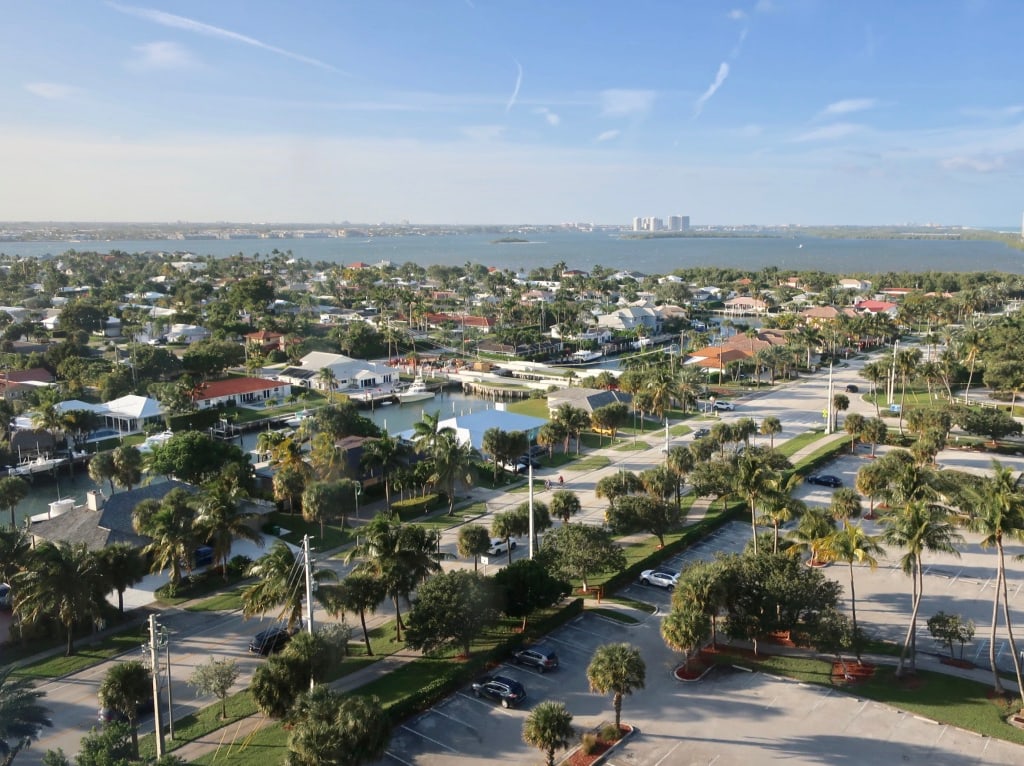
(588, 743)
(610, 733)
(239, 565)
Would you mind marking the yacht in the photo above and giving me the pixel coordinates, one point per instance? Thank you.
(155, 440)
(585, 357)
(416, 392)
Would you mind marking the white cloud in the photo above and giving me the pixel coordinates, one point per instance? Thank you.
(737, 14)
(618, 103)
(552, 119)
(974, 164)
(163, 55)
(749, 131)
(191, 25)
(483, 133)
(515, 90)
(608, 135)
(52, 91)
(848, 106)
(829, 132)
(723, 72)
(996, 113)
(764, 6)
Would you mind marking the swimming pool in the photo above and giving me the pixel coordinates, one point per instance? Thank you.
(103, 433)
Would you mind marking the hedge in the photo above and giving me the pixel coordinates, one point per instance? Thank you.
(194, 421)
(413, 508)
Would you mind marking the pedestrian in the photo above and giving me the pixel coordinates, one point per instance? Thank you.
(561, 481)
(547, 483)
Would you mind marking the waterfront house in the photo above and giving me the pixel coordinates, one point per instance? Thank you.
(242, 392)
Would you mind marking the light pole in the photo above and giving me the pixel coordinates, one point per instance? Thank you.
(158, 640)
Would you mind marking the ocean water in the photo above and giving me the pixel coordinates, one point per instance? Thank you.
(579, 250)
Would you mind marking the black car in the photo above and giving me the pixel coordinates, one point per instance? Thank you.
(501, 689)
(269, 641)
(825, 480)
(537, 450)
(700, 433)
(851, 389)
(6, 599)
(541, 657)
(528, 460)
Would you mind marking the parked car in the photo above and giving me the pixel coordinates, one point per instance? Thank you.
(851, 389)
(500, 545)
(700, 433)
(502, 689)
(203, 556)
(110, 715)
(271, 640)
(537, 450)
(724, 406)
(541, 657)
(6, 599)
(825, 480)
(525, 461)
(660, 577)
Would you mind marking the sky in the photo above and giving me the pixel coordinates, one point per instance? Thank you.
(808, 112)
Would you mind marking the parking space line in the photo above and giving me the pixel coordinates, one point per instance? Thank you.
(488, 705)
(429, 739)
(662, 759)
(395, 757)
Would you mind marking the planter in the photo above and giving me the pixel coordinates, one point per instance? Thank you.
(577, 757)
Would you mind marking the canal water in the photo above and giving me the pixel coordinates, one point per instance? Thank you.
(395, 419)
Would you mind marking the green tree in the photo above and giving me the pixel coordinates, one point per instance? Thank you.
(525, 586)
(565, 504)
(125, 687)
(358, 593)
(334, 729)
(685, 630)
(450, 610)
(853, 424)
(575, 421)
(170, 525)
(618, 669)
(453, 464)
(278, 574)
(194, 457)
(121, 566)
(473, 542)
(110, 745)
(101, 468)
(385, 455)
(548, 728)
(634, 513)
(22, 717)
(851, 544)
(702, 586)
(616, 485)
(220, 519)
(127, 466)
(321, 501)
(581, 551)
(506, 525)
(949, 628)
(771, 427)
(13, 489)
(60, 582)
(216, 677)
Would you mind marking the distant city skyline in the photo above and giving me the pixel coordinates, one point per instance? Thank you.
(462, 112)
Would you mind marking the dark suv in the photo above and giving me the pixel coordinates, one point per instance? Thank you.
(502, 689)
(269, 641)
(541, 657)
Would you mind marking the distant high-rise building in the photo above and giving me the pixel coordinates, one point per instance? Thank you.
(638, 224)
(650, 223)
(685, 223)
(675, 223)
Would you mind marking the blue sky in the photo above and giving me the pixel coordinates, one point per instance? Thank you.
(513, 111)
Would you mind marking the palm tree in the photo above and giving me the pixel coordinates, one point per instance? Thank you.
(124, 687)
(359, 593)
(575, 420)
(840, 403)
(565, 504)
(428, 430)
(384, 455)
(997, 513)
(127, 466)
(453, 463)
(101, 468)
(619, 669)
(473, 542)
(779, 507)
(681, 461)
(15, 546)
(684, 629)
(846, 504)
(327, 381)
(280, 584)
(548, 728)
(505, 526)
(851, 544)
(754, 479)
(13, 489)
(335, 729)
(771, 427)
(875, 372)
(22, 718)
(703, 586)
(61, 582)
(267, 441)
(853, 424)
(170, 525)
(814, 526)
(907, 362)
(121, 567)
(220, 520)
(917, 527)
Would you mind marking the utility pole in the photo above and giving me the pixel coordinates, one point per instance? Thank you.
(529, 474)
(666, 435)
(307, 566)
(155, 665)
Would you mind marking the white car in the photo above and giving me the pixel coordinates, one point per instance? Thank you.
(499, 545)
(660, 577)
(724, 406)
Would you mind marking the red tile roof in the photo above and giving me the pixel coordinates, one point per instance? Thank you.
(231, 386)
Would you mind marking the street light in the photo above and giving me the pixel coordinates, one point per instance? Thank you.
(158, 639)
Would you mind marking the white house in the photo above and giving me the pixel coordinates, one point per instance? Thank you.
(242, 392)
(187, 333)
(350, 375)
(630, 318)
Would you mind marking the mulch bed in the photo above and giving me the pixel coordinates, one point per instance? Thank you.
(965, 664)
(855, 672)
(579, 758)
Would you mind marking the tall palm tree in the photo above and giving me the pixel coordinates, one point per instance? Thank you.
(121, 567)
(575, 420)
(125, 686)
(997, 513)
(427, 431)
(220, 519)
(814, 526)
(916, 527)
(619, 669)
(359, 593)
(852, 544)
(681, 461)
(280, 583)
(170, 525)
(385, 455)
(62, 583)
(13, 489)
(771, 427)
(327, 380)
(22, 717)
(453, 463)
(15, 547)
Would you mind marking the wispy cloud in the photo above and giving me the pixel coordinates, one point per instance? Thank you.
(829, 132)
(163, 55)
(996, 113)
(552, 119)
(848, 106)
(51, 90)
(607, 135)
(191, 25)
(723, 72)
(619, 102)
(483, 133)
(737, 14)
(974, 164)
(515, 90)
(748, 131)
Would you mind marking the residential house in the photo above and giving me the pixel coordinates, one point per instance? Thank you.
(187, 333)
(743, 305)
(631, 318)
(470, 429)
(126, 415)
(350, 375)
(587, 399)
(265, 340)
(242, 392)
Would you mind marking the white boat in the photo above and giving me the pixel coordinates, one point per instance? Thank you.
(36, 465)
(297, 419)
(155, 440)
(416, 392)
(585, 357)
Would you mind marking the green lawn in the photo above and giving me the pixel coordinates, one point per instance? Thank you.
(798, 442)
(633, 446)
(537, 408)
(86, 656)
(264, 747)
(333, 537)
(589, 463)
(614, 614)
(222, 602)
